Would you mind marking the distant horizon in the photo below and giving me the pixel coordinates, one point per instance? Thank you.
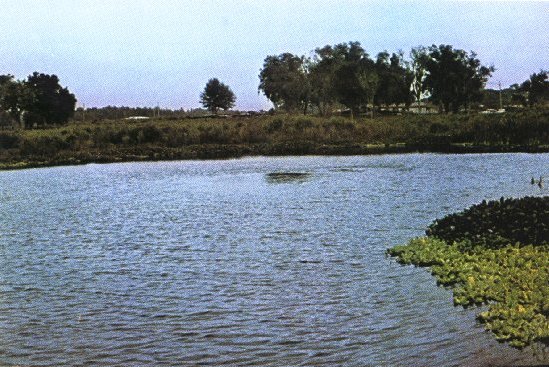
(139, 54)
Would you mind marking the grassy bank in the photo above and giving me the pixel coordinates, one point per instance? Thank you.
(497, 254)
(116, 141)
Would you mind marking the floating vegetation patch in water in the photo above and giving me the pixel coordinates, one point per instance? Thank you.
(497, 223)
(282, 177)
(512, 279)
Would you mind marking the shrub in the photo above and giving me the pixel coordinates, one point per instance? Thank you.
(8, 141)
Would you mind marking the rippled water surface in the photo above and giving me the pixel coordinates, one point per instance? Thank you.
(258, 261)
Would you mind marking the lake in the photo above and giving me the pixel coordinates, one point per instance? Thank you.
(254, 261)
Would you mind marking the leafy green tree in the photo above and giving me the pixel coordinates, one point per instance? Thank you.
(536, 88)
(283, 80)
(394, 79)
(10, 96)
(217, 95)
(454, 78)
(356, 79)
(45, 101)
(368, 80)
(419, 57)
(322, 74)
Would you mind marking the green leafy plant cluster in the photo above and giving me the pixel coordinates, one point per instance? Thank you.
(495, 224)
(512, 280)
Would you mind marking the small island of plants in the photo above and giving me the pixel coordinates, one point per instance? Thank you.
(496, 254)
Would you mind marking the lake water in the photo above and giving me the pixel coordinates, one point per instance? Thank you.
(234, 263)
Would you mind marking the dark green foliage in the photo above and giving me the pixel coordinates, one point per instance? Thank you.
(322, 76)
(356, 80)
(536, 88)
(217, 95)
(284, 82)
(455, 79)
(344, 74)
(45, 101)
(394, 79)
(10, 99)
(495, 224)
(39, 100)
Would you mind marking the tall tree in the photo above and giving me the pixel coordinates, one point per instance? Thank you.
(394, 79)
(419, 57)
(356, 79)
(45, 101)
(368, 80)
(454, 78)
(322, 74)
(536, 88)
(283, 80)
(10, 97)
(217, 95)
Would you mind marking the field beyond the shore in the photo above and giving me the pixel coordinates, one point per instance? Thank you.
(165, 139)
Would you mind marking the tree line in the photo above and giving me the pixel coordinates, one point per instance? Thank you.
(334, 77)
(346, 75)
(533, 91)
(38, 100)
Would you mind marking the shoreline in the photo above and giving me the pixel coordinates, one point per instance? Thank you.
(235, 151)
(278, 135)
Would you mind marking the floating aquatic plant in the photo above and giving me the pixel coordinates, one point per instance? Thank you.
(512, 278)
(497, 223)
(284, 177)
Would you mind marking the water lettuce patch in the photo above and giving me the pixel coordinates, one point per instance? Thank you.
(512, 279)
(497, 223)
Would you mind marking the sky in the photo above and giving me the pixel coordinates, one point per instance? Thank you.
(148, 53)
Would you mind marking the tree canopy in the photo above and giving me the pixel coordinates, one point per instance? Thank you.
(454, 78)
(217, 95)
(46, 101)
(345, 74)
(38, 100)
(356, 80)
(536, 88)
(10, 96)
(284, 81)
(322, 77)
(394, 79)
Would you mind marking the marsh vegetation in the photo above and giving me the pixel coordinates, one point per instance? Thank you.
(115, 141)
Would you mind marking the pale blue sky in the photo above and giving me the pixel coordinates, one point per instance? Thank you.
(140, 53)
